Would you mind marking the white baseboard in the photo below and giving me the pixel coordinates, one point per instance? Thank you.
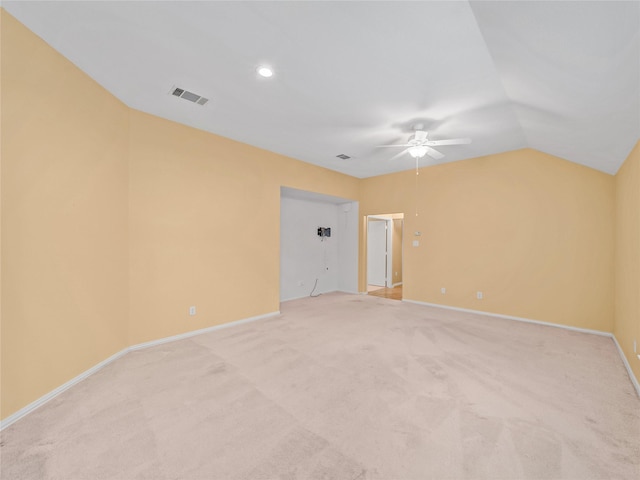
(193, 333)
(634, 381)
(314, 296)
(510, 317)
(294, 298)
(62, 388)
(11, 419)
(396, 285)
(633, 378)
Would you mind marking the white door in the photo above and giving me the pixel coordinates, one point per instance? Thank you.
(377, 252)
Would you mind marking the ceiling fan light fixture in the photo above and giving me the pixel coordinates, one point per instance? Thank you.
(418, 151)
(264, 71)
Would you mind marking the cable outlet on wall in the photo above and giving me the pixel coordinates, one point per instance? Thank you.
(192, 311)
(479, 295)
(443, 290)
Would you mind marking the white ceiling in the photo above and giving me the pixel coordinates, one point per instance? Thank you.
(560, 77)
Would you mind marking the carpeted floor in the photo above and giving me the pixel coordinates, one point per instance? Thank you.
(345, 387)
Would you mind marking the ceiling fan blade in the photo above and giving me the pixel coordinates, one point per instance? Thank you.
(453, 141)
(402, 145)
(434, 153)
(399, 154)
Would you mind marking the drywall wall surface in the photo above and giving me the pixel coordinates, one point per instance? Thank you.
(532, 232)
(64, 219)
(627, 259)
(306, 258)
(205, 226)
(78, 169)
(348, 247)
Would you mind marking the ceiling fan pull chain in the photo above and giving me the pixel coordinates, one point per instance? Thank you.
(417, 173)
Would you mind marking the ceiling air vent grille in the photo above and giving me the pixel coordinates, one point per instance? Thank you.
(343, 156)
(192, 97)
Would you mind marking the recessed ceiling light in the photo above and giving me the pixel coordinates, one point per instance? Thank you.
(264, 71)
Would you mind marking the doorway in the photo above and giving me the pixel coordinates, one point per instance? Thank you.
(384, 255)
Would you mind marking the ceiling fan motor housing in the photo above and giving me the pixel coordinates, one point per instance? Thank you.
(418, 138)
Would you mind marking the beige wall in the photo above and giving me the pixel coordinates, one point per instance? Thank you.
(204, 226)
(532, 232)
(64, 219)
(114, 222)
(627, 258)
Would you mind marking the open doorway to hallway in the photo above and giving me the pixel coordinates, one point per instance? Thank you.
(384, 255)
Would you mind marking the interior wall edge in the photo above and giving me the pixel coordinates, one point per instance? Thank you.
(626, 326)
(627, 365)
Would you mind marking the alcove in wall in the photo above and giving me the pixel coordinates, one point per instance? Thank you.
(313, 264)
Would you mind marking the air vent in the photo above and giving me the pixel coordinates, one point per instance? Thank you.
(192, 97)
(343, 156)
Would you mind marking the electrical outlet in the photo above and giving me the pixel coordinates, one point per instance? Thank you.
(192, 311)
(416, 243)
(443, 290)
(479, 295)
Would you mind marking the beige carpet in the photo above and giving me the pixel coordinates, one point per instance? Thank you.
(345, 387)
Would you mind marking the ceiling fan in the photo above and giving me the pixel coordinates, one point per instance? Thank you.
(419, 145)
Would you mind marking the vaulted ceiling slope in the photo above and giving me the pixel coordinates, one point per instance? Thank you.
(559, 77)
